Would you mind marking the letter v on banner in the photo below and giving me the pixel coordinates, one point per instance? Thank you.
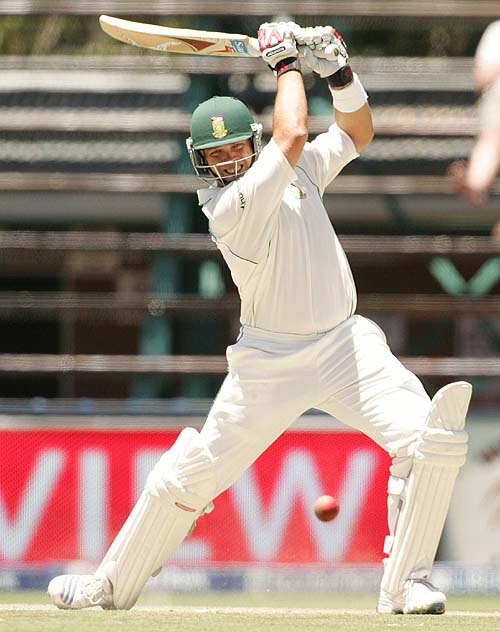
(16, 534)
(299, 479)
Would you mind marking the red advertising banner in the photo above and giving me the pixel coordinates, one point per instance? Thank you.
(65, 493)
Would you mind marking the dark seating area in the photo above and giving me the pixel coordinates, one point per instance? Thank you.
(106, 265)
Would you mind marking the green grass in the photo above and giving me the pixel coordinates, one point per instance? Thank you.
(232, 612)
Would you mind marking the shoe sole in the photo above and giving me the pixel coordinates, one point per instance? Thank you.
(435, 608)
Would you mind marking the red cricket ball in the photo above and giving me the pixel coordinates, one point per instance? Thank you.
(326, 508)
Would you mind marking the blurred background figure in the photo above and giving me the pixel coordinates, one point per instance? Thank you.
(473, 179)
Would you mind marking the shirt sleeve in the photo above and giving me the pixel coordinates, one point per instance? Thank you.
(325, 157)
(243, 214)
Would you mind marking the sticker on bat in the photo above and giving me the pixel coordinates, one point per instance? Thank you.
(239, 47)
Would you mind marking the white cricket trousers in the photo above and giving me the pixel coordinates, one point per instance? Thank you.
(348, 372)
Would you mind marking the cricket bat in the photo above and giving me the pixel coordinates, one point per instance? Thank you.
(174, 40)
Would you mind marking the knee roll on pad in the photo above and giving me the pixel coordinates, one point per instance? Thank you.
(185, 474)
(441, 447)
(418, 504)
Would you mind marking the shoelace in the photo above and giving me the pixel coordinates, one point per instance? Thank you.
(93, 590)
(425, 582)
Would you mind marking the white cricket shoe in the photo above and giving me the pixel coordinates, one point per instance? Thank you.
(417, 597)
(74, 592)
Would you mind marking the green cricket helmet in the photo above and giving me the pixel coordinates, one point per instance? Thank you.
(220, 121)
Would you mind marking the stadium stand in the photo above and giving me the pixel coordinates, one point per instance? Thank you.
(97, 206)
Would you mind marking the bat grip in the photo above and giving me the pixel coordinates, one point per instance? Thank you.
(253, 47)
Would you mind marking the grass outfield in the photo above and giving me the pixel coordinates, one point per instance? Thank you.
(30, 612)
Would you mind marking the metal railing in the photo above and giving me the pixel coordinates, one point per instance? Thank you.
(364, 8)
(171, 183)
(388, 121)
(53, 71)
(202, 244)
(132, 306)
(38, 364)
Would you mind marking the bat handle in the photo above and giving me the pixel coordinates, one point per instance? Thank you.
(253, 47)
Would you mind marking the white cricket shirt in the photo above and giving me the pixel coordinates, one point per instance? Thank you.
(274, 233)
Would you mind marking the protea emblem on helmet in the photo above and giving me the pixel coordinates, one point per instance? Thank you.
(218, 126)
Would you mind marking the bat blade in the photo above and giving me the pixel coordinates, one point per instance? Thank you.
(175, 40)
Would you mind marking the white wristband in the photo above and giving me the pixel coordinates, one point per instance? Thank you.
(351, 98)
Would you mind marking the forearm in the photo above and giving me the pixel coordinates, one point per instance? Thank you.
(484, 162)
(358, 125)
(485, 76)
(290, 116)
(325, 53)
(279, 50)
(351, 110)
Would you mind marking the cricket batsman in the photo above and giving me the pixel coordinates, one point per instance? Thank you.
(301, 344)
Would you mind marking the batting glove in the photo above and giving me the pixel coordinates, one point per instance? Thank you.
(325, 41)
(324, 51)
(278, 46)
(315, 37)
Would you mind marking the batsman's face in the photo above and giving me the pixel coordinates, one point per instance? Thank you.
(230, 161)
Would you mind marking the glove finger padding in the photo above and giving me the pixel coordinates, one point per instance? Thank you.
(333, 48)
(325, 53)
(314, 36)
(277, 42)
(320, 66)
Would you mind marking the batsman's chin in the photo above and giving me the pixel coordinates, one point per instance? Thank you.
(232, 177)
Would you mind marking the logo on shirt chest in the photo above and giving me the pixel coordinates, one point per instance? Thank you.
(297, 192)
